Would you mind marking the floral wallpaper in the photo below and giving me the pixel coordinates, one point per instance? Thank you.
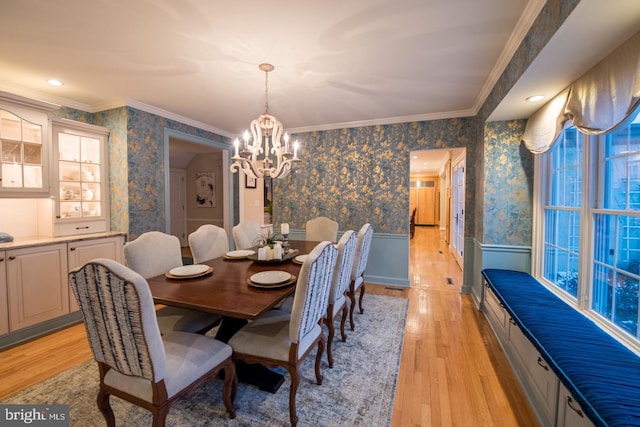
(507, 185)
(361, 175)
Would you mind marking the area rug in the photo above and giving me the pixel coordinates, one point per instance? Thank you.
(359, 390)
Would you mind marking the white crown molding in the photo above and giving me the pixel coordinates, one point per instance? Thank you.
(172, 116)
(385, 121)
(531, 12)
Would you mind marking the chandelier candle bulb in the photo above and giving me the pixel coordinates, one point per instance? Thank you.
(236, 143)
(295, 149)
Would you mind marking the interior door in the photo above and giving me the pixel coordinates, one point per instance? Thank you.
(457, 209)
(426, 203)
(178, 191)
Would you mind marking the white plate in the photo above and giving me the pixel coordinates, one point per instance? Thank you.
(242, 253)
(189, 270)
(300, 259)
(270, 277)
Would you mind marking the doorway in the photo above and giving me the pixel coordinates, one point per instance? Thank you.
(179, 149)
(432, 192)
(457, 208)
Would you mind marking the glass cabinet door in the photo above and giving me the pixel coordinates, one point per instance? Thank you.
(21, 152)
(80, 174)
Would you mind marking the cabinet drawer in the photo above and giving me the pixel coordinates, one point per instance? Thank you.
(495, 311)
(76, 228)
(541, 379)
(570, 414)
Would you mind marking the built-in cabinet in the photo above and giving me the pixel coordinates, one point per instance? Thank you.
(83, 251)
(549, 399)
(34, 279)
(80, 190)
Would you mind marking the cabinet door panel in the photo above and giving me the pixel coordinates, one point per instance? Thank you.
(37, 284)
(4, 305)
(84, 251)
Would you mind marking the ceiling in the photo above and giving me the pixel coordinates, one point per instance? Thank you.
(337, 63)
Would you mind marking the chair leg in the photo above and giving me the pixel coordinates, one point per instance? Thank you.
(361, 296)
(160, 416)
(329, 321)
(343, 321)
(230, 387)
(321, 345)
(105, 408)
(352, 296)
(294, 372)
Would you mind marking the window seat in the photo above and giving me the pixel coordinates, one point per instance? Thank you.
(601, 374)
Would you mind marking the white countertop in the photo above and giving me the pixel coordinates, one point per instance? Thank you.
(24, 242)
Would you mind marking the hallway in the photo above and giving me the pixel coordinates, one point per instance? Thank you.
(453, 371)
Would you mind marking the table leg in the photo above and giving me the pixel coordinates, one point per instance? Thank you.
(255, 374)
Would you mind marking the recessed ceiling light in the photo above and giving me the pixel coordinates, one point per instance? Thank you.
(414, 157)
(535, 98)
(54, 82)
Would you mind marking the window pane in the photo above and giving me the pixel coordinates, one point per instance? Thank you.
(604, 242)
(626, 303)
(602, 301)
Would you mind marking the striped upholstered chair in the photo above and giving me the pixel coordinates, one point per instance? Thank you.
(279, 338)
(339, 285)
(136, 363)
(365, 235)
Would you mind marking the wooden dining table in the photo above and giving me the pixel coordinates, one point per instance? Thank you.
(226, 290)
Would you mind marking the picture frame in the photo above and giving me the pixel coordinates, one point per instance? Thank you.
(250, 182)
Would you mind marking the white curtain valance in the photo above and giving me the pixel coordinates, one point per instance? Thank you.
(595, 103)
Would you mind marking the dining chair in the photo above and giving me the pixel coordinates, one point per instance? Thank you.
(320, 229)
(339, 285)
(208, 242)
(154, 253)
(135, 362)
(365, 234)
(412, 223)
(246, 234)
(285, 339)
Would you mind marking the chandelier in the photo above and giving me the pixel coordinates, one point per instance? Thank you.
(265, 152)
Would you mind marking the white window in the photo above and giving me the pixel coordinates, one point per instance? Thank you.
(589, 245)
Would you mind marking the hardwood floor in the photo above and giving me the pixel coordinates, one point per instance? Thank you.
(452, 373)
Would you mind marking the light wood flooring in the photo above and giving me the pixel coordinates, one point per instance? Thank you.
(452, 373)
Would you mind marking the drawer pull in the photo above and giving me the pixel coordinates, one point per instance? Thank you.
(82, 228)
(1, 259)
(541, 363)
(11, 258)
(502, 305)
(513, 322)
(577, 410)
(72, 249)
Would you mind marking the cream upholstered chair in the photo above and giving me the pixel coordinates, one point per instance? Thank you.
(285, 339)
(136, 363)
(320, 229)
(208, 242)
(359, 264)
(154, 253)
(339, 285)
(246, 234)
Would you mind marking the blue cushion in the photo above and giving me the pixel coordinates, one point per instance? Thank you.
(601, 373)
